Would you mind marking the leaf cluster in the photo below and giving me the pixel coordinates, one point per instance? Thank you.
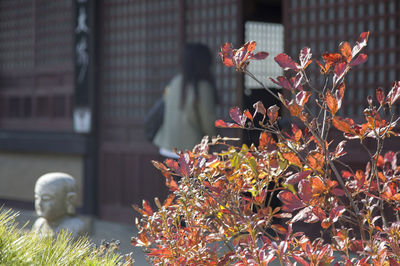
(220, 209)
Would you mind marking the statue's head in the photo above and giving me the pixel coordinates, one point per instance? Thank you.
(55, 196)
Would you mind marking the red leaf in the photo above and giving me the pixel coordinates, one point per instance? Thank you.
(259, 56)
(286, 62)
(184, 164)
(331, 102)
(296, 81)
(297, 177)
(237, 116)
(339, 151)
(380, 96)
(242, 54)
(239, 58)
(337, 192)
(291, 202)
(172, 164)
(305, 191)
(345, 50)
(259, 108)
(302, 97)
(266, 140)
(361, 43)
(222, 124)
(305, 57)
(226, 55)
(319, 213)
(339, 72)
(273, 113)
(283, 82)
(391, 157)
(361, 59)
(292, 158)
(394, 93)
(336, 213)
(346, 174)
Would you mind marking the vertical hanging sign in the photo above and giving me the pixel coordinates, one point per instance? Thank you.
(82, 111)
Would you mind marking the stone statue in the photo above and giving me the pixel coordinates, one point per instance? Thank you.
(55, 199)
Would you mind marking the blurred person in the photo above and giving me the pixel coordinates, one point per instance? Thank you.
(190, 103)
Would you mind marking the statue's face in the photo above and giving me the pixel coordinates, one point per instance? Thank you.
(50, 201)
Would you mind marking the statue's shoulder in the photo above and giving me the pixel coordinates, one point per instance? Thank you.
(73, 224)
(40, 222)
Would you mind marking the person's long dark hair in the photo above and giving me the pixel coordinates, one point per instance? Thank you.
(196, 63)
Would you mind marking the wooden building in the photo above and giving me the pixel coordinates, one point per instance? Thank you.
(323, 24)
(77, 78)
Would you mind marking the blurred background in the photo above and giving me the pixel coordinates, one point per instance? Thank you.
(77, 78)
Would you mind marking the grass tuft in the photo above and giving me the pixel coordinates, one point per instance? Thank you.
(19, 247)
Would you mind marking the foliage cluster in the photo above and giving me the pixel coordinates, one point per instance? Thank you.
(18, 247)
(219, 212)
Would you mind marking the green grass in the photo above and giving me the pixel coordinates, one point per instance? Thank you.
(19, 247)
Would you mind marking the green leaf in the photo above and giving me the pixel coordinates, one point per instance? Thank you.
(253, 165)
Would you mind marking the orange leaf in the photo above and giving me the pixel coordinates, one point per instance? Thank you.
(273, 113)
(344, 124)
(345, 50)
(331, 59)
(147, 208)
(317, 185)
(315, 160)
(294, 108)
(266, 140)
(164, 252)
(292, 158)
(297, 133)
(142, 240)
(248, 115)
(332, 102)
(279, 229)
(169, 200)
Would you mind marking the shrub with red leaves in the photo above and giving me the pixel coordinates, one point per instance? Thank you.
(220, 212)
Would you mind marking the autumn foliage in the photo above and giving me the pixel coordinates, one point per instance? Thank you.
(219, 211)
